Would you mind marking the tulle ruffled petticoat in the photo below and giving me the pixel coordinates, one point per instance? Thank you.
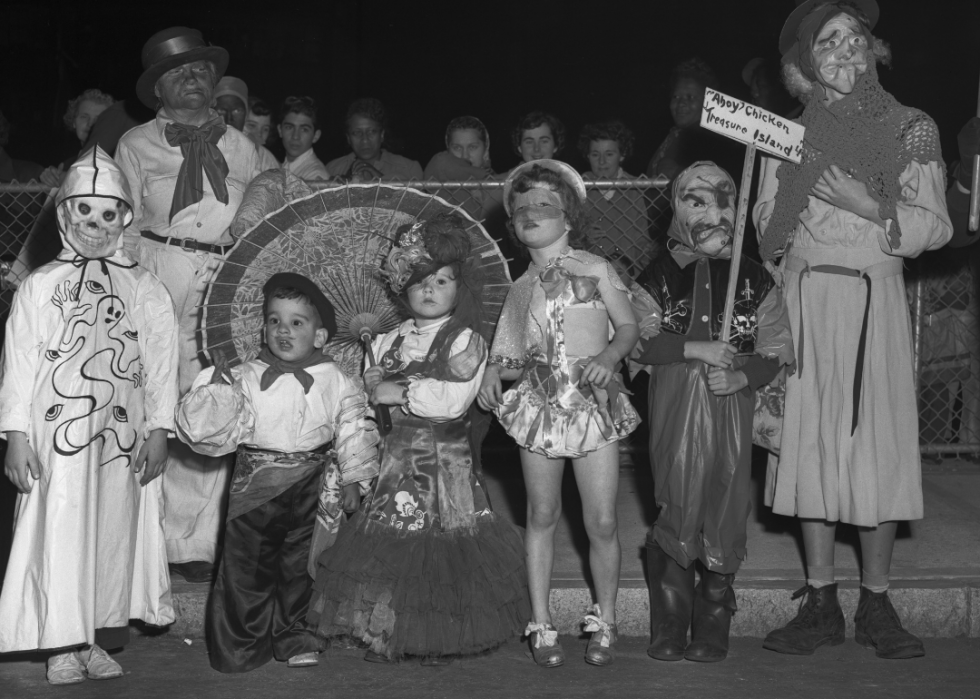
(566, 423)
(423, 592)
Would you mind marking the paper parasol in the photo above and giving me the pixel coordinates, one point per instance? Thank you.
(337, 237)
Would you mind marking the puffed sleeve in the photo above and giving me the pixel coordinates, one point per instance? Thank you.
(156, 327)
(130, 166)
(214, 418)
(21, 356)
(355, 435)
(922, 215)
(440, 401)
(766, 200)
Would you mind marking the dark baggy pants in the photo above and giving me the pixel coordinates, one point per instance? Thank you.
(701, 455)
(258, 607)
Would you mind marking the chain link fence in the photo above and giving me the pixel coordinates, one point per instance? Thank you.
(942, 291)
(629, 224)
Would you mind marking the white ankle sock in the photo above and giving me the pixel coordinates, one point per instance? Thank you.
(875, 583)
(819, 576)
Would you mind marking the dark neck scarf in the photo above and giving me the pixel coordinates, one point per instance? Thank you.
(867, 134)
(278, 367)
(199, 146)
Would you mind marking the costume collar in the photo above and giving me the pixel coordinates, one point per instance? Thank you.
(410, 328)
(557, 259)
(162, 120)
(300, 161)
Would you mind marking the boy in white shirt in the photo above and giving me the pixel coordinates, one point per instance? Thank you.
(298, 129)
(283, 412)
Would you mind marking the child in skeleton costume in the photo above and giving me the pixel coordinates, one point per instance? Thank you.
(282, 412)
(701, 394)
(868, 193)
(426, 568)
(86, 402)
(565, 326)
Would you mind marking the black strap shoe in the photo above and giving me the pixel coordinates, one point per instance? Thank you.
(820, 621)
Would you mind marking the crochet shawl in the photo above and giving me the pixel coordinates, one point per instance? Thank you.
(869, 135)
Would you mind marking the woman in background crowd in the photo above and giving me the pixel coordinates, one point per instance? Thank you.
(538, 135)
(620, 227)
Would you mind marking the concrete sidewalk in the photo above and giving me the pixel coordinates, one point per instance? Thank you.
(165, 668)
(935, 569)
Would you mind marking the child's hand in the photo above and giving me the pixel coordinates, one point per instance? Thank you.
(718, 354)
(352, 497)
(491, 392)
(388, 393)
(599, 371)
(21, 465)
(152, 457)
(372, 377)
(725, 382)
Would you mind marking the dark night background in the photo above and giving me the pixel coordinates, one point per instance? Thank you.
(431, 61)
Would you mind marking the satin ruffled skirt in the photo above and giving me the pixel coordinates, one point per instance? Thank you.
(561, 421)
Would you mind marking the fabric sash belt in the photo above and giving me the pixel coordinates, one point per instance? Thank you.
(261, 475)
(881, 270)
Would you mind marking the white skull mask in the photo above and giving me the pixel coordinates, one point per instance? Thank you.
(93, 225)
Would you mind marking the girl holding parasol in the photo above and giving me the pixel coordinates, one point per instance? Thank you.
(426, 568)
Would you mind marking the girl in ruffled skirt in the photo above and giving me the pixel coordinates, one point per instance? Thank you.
(565, 326)
(425, 568)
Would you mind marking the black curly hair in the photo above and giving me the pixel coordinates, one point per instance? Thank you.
(532, 121)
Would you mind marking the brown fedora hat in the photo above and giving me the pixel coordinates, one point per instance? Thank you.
(787, 37)
(169, 49)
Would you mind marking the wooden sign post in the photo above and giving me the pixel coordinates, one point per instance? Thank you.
(758, 130)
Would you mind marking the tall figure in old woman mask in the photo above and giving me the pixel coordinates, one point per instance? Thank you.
(868, 193)
(188, 172)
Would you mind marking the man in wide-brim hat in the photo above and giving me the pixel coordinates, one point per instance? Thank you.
(188, 172)
(867, 194)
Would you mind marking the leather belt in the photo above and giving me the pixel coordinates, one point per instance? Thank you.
(187, 243)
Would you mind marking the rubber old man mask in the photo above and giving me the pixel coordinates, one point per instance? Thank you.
(704, 210)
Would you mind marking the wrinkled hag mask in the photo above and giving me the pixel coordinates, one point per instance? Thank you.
(704, 210)
(93, 226)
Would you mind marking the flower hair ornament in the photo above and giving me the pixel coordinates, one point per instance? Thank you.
(403, 257)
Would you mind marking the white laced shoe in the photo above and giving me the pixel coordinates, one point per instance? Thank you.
(303, 660)
(100, 666)
(65, 669)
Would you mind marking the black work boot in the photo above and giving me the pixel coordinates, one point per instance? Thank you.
(819, 621)
(714, 603)
(876, 625)
(671, 603)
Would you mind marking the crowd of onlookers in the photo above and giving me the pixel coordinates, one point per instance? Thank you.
(286, 135)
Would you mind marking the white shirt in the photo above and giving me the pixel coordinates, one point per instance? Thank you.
(307, 167)
(267, 161)
(151, 166)
(215, 418)
(439, 401)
